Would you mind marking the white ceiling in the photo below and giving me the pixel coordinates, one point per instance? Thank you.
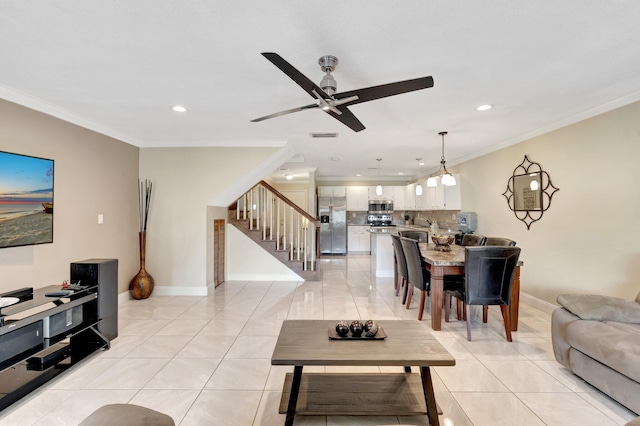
(118, 66)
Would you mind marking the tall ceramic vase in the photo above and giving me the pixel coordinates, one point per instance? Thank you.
(141, 286)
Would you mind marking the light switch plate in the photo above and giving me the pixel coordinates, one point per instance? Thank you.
(100, 219)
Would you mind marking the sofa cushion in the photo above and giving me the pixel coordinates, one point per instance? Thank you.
(601, 308)
(612, 344)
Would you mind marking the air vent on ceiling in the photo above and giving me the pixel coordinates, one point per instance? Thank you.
(324, 135)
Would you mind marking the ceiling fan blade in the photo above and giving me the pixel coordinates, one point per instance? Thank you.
(347, 118)
(295, 75)
(384, 90)
(289, 111)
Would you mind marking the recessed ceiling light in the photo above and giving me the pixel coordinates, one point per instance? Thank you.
(400, 173)
(288, 177)
(179, 108)
(335, 159)
(359, 174)
(484, 107)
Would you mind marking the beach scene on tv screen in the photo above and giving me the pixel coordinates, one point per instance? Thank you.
(26, 200)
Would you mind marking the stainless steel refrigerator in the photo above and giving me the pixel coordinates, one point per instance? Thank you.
(333, 225)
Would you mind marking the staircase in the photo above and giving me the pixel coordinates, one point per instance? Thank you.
(280, 227)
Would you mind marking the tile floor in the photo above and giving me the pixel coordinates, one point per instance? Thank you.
(206, 361)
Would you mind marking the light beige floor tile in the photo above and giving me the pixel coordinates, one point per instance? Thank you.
(524, 376)
(469, 376)
(495, 348)
(183, 373)
(223, 326)
(34, 407)
(560, 409)
(202, 346)
(128, 373)
(143, 327)
(565, 376)
(612, 409)
(252, 347)
(262, 327)
(159, 347)
(81, 375)
(497, 409)
(452, 413)
(179, 327)
(240, 374)
(267, 414)
(172, 402)
(122, 346)
(81, 403)
(223, 407)
(534, 348)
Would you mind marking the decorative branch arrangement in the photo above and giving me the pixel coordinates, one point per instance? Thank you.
(144, 200)
(141, 286)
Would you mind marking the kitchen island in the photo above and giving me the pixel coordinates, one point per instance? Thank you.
(382, 251)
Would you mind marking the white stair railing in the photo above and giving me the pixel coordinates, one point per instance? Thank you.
(280, 220)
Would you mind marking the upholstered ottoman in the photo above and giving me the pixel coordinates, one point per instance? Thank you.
(127, 415)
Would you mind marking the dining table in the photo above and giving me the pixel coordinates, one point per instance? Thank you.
(440, 263)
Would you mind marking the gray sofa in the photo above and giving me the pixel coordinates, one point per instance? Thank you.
(598, 338)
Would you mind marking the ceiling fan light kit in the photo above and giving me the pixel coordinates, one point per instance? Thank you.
(333, 103)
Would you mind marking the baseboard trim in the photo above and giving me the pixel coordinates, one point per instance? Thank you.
(169, 291)
(540, 304)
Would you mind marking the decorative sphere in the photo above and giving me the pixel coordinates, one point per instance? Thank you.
(342, 329)
(356, 328)
(367, 325)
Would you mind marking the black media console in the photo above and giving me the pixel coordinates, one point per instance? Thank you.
(50, 329)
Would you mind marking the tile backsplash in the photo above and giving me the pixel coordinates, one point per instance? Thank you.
(446, 219)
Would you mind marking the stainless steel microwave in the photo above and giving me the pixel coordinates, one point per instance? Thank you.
(380, 206)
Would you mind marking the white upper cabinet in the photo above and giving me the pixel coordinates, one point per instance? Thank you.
(332, 191)
(357, 198)
(442, 197)
(387, 193)
(398, 198)
(452, 198)
(410, 197)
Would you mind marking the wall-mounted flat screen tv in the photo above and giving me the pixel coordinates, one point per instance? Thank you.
(26, 200)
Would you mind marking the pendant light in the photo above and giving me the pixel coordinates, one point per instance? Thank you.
(446, 178)
(379, 187)
(418, 186)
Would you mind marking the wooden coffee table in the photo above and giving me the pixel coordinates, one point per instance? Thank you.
(409, 343)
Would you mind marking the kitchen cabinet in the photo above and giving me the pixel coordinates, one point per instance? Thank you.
(410, 196)
(442, 197)
(358, 239)
(387, 193)
(435, 197)
(452, 198)
(332, 191)
(357, 198)
(421, 200)
(398, 198)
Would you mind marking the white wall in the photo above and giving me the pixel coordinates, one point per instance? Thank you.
(94, 174)
(587, 241)
(186, 181)
(247, 261)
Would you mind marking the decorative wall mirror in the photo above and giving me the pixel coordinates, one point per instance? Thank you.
(529, 191)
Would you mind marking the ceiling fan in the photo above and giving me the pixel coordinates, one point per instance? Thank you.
(335, 104)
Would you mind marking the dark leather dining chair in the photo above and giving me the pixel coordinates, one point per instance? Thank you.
(472, 240)
(497, 241)
(488, 276)
(421, 236)
(456, 281)
(419, 277)
(401, 275)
